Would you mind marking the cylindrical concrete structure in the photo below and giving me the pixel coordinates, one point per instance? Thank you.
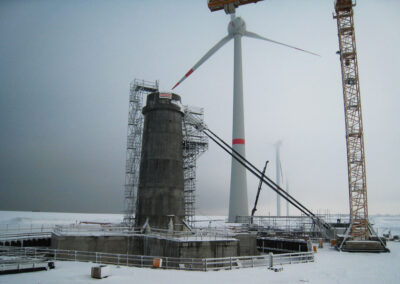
(161, 186)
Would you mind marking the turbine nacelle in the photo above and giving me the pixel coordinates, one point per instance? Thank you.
(237, 27)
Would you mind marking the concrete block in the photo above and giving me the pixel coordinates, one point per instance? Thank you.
(101, 271)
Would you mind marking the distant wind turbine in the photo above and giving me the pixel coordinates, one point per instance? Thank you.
(287, 202)
(278, 176)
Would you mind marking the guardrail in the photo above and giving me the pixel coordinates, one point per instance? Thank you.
(198, 264)
(255, 261)
(22, 264)
(194, 235)
(18, 232)
(100, 229)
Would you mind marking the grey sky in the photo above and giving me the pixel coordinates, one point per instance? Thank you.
(65, 69)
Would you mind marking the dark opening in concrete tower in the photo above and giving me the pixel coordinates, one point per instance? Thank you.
(161, 186)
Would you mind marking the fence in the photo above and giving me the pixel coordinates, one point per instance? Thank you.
(16, 231)
(194, 235)
(22, 265)
(90, 229)
(199, 264)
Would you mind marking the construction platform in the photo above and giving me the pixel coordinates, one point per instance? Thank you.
(374, 244)
(199, 243)
(157, 242)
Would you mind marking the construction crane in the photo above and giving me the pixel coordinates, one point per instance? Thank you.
(359, 228)
(258, 192)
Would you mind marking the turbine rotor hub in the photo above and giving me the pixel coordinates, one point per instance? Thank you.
(237, 26)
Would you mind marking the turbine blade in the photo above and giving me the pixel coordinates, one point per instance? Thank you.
(256, 36)
(205, 57)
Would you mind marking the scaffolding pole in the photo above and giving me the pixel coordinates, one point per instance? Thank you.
(195, 142)
(138, 90)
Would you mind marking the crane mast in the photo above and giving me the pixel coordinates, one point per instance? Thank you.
(359, 224)
(253, 211)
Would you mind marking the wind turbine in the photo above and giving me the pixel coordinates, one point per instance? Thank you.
(278, 176)
(287, 202)
(238, 205)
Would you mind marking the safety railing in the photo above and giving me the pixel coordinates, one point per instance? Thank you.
(203, 234)
(199, 264)
(17, 231)
(77, 229)
(255, 261)
(11, 232)
(22, 265)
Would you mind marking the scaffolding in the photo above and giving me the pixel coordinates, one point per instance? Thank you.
(138, 90)
(296, 226)
(195, 142)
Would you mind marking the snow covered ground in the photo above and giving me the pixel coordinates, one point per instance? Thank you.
(385, 223)
(52, 218)
(330, 266)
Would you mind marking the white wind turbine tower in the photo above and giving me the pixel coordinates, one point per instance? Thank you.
(238, 205)
(287, 202)
(278, 172)
(279, 179)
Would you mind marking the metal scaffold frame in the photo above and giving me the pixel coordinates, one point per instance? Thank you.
(138, 90)
(195, 142)
(359, 224)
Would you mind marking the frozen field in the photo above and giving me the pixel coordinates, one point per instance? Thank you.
(330, 266)
(52, 218)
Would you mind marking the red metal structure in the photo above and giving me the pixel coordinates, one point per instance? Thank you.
(228, 5)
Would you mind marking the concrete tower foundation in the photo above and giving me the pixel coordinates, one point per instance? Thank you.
(161, 185)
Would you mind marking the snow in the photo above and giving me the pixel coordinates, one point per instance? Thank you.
(330, 266)
(52, 218)
(385, 223)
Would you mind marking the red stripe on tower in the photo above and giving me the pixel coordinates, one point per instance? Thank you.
(237, 141)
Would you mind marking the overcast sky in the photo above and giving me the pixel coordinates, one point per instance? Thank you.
(65, 69)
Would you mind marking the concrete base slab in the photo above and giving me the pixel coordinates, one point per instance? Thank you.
(150, 245)
(363, 246)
